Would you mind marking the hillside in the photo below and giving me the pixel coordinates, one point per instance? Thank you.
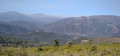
(44, 37)
(99, 40)
(27, 25)
(91, 26)
(73, 50)
(31, 22)
(13, 29)
(7, 41)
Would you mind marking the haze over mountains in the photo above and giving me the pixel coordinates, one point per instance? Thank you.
(31, 22)
(84, 26)
(16, 16)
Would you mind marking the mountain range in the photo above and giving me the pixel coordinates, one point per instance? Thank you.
(40, 27)
(29, 22)
(91, 26)
(33, 18)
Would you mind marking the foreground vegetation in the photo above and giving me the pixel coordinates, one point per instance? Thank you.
(16, 47)
(73, 50)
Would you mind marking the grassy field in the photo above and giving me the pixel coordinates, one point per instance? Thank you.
(73, 50)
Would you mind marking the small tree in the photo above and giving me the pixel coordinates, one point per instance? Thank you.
(56, 43)
(40, 49)
(69, 44)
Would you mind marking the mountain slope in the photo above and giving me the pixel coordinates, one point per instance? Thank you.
(13, 29)
(31, 22)
(13, 16)
(26, 25)
(21, 20)
(33, 18)
(92, 26)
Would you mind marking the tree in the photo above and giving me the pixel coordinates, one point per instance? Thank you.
(69, 44)
(56, 43)
(40, 49)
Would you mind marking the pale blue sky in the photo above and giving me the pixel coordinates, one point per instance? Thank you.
(63, 7)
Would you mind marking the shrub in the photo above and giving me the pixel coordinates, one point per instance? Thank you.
(40, 49)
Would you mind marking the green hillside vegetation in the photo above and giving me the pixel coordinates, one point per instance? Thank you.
(73, 50)
(104, 46)
(44, 37)
(7, 41)
(14, 42)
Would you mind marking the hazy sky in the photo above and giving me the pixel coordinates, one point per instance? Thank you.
(63, 7)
